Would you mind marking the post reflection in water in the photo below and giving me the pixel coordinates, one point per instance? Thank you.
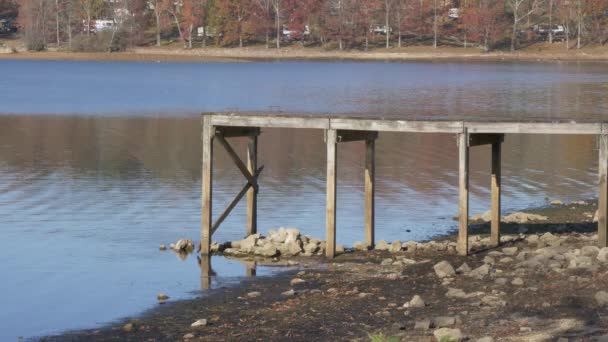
(207, 272)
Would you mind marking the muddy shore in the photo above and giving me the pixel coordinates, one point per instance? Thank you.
(544, 283)
(537, 53)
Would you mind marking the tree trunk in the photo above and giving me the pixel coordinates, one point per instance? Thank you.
(157, 16)
(57, 22)
(514, 33)
(278, 22)
(387, 23)
(435, 24)
(550, 21)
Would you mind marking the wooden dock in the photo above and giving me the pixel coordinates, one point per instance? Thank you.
(339, 129)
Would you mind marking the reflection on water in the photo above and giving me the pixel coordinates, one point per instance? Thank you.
(86, 200)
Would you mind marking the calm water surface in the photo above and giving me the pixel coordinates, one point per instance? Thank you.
(100, 163)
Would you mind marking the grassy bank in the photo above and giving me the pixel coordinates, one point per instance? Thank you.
(537, 52)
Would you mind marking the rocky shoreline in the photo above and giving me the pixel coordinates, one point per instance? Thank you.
(544, 283)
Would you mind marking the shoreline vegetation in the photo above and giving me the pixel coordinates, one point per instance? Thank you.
(543, 283)
(540, 52)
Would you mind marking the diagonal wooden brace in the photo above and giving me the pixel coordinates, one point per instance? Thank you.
(235, 201)
(251, 179)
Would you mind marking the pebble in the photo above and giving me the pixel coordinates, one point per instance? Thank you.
(382, 246)
(289, 293)
(510, 250)
(296, 281)
(416, 302)
(455, 293)
(200, 323)
(444, 269)
(464, 268)
(447, 334)
(127, 327)
(162, 297)
(517, 281)
(601, 298)
(485, 339)
(162, 247)
(444, 321)
(188, 336)
(254, 294)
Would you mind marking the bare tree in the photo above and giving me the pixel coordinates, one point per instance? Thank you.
(388, 6)
(265, 6)
(276, 5)
(517, 6)
(435, 24)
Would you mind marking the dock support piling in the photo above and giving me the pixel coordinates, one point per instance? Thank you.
(495, 189)
(206, 184)
(463, 194)
(252, 194)
(370, 173)
(330, 211)
(602, 223)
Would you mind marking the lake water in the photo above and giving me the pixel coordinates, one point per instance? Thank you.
(100, 164)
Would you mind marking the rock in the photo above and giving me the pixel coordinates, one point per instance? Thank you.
(162, 297)
(489, 260)
(444, 269)
(359, 246)
(455, 293)
(500, 281)
(518, 282)
(184, 245)
(505, 260)
(296, 281)
(268, 251)
(395, 246)
(310, 248)
(480, 272)
(410, 246)
(416, 302)
(382, 246)
(248, 244)
(444, 321)
(188, 336)
(424, 324)
(590, 251)
(448, 335)
(525, 329)
(162, 247)
(601, 298)
(339, 249)
(200, 323)
(557, 202)
(602, 255)
(510, 250)
(127, 327)
(387, 261)
(485, 217)
(293, 235)
(548, 237)
(289, 293)
(464, 268)
(293, 248)
(278, 237)
(253, 294)
(492, 301)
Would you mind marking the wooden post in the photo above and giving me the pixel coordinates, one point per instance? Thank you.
(206, 184)
(602, 214)
(463, 195)
(252, 194)
(330, 211)
(370, 172)
(205, 263)
(496, 165)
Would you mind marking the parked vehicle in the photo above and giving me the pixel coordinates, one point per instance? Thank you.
(7, 26)
(453, 13)
(381, 29)
(295, 34)
(542, 30)
(98, 25)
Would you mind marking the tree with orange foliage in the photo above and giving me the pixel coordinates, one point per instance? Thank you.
(484, 20)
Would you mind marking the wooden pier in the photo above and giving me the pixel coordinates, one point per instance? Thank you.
(339, 129)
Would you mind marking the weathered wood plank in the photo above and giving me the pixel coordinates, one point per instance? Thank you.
(463, 194)
(370, 174)
(350, 135)
(204, 262)
(602, 224)
(330, 210)
(389, 125)
(234, 132)
(234, 202)
(495, 193)
(533, 127)
(485, 139)
(207, 135)
(252, 194)
(238, 162)
(269, 121)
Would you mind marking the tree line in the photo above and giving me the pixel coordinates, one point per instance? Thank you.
(339, 24)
